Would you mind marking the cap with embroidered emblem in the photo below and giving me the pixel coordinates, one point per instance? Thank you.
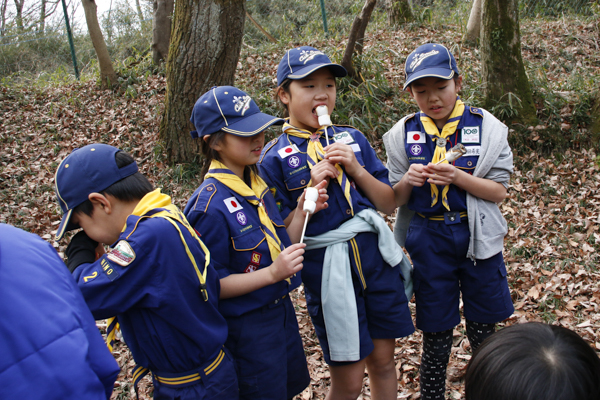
(90, 169)
(429, 60)
(302, 61)
(229, 109)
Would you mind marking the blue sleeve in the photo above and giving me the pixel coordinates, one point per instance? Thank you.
(372, 163)
(271, 172)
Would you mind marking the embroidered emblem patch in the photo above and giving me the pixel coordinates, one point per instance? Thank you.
(122, 254)
(419, 57)
(294, 161)
(307, 55)
(343, 137)
(470, 134)
(256, 257)
(415, 137)
(88, 278)
(242, 104)
(416, 149)
(232, 204)
(288, 151)
(241, 218)
(251, 268)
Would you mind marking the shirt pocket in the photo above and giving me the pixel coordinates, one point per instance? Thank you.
(298, 180)
(249, 240)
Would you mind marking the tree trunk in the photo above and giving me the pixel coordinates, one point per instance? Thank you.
(108, 76)
(19, 14)
(161, 29)
(3, 16)
(502, 64)
(356, 38)
(399, 12)
(474, 24)
(204, 52)
(42, 23)
(595, 127)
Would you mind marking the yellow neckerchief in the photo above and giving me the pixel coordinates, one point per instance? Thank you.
(161, 204)
(253, 195)
(440, 151)
(316, 153)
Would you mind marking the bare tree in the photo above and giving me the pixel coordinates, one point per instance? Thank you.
(474, 24)
(204, 52)
(399, 12)
(357, 37)
(19, 14)
(505, 80)
(108, 76)
(161, 29)
(3, 7)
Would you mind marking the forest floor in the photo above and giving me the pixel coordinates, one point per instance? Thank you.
(553, 210)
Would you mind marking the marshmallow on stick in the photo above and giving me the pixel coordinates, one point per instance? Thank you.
(324, 119)
(454, 153)
(310, 203)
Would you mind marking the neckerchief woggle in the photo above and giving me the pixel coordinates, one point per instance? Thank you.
(252, 194)
(153, 205)
(316, 153)
(440, 151)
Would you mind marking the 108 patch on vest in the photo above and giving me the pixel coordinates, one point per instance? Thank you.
(343, 138)
(122, 254)
(470, 134)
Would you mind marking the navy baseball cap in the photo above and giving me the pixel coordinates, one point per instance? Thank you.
(229, 109)
(302, 61)
(90, 169)
(428, 60)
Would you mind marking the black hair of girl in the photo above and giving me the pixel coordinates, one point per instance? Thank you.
(285, 86)
(533, 361)
(209, 154)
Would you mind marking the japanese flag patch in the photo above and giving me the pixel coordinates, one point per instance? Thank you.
(415, 137)
(232, 204)
(288, 151)
(122, 254)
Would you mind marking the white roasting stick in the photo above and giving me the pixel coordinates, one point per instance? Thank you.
(454, 153)
(324, 119)
(310, 203)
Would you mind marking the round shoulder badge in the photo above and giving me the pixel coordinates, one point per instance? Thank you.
(294, 161)
(241, 218)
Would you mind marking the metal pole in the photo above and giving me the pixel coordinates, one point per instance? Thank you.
(324, 15)
(70, 35)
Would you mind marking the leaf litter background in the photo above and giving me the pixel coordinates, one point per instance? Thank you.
(551, 249)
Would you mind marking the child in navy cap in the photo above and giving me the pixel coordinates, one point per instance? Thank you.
(156, 279)
(234, 212)
(352, 278)
(455, 229)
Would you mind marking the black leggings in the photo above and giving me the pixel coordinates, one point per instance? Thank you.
(436, 354)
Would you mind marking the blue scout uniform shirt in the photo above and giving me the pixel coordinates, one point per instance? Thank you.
(50, 347)
(420, 147)
(150, 284)
(230, 227)
(284, 167)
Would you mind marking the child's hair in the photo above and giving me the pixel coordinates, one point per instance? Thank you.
(285, 86)
(533, 361)
(134, 187)
(209, 154)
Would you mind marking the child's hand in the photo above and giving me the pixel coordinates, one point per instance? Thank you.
(321, 201)
(323, 171)
(415, 175)
(288, 263)
(343, 154)
(441, 174)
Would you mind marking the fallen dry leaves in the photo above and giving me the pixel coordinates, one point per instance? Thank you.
(551, 250)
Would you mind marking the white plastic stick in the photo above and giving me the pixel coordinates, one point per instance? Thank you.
(310, 203)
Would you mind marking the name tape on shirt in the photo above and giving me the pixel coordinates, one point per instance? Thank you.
(355, 147)
(470, 134)
(343, 138)
(232, 204)
(122, 254)
(415, 137)
(473, 150)
(288, 151)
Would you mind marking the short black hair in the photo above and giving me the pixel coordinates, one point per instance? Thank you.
(131, 188)
(533, 361)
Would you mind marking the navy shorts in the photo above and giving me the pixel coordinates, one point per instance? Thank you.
(382, 306)
(267, 348)
(442, 272)
(221, 384)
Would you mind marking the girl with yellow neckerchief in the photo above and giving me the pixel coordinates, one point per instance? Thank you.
(234, 212)
(455, 237)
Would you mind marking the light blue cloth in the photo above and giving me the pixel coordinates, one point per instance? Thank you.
(337, 293)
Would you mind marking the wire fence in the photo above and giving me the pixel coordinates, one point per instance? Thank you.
(33, 52)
